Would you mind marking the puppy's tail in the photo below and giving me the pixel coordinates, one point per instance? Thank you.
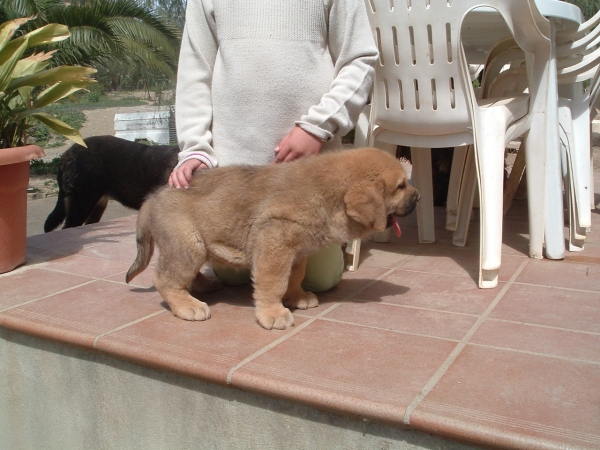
(58, 214)
(145, 244)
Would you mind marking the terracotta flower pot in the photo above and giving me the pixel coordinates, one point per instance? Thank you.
(14, 179)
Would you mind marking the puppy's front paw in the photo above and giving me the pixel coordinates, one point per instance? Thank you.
(191, 310)
(276, 317)
(303, 301)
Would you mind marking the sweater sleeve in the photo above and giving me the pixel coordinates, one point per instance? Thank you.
(354, 53)
(193, 104)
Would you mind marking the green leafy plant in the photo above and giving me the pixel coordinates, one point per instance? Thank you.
(27, 85)
(41, 167)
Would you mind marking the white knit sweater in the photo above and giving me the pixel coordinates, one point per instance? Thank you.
(249, 70)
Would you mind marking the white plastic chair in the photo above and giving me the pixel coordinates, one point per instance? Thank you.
(575, 110)
(423, 98)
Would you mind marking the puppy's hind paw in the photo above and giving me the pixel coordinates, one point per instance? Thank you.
(191, 310)
(275, 318)
(304, 301)
(203, 284)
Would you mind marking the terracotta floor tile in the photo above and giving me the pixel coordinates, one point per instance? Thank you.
(593, 237)
(347, 368)
(91, 267)
(561, 308)
(85, 236)
(39, 255)
(515, 239)
(561, 274)
(461, 262)
(144, 279)
(527, 379)
(549, 341)
(114, 251)
(49, 239)
(79, 315)
(424, 290)
(207, 349)
(353, 282)
(27, 284)
(589, 255)
(409, 320)
(514, 400)
(374, 254)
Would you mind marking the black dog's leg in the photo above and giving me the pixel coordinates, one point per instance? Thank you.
(80, 206)
(57, 216)
(99, 209)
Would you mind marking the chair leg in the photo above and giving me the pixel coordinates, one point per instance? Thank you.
(353, 249)
(489, 159)
(454, 186)
(592, 187)
(422, 180)
(535, 177)
(465, 205)
(514, 179)
(577, 234)
(579, 162)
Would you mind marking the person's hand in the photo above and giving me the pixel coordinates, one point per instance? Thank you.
(181, 177)
(297, 143)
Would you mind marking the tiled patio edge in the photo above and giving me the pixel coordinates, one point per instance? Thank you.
(301, 327)
(461, 345)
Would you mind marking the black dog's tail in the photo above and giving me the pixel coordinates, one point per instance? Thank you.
(58, 215)
(145, 244)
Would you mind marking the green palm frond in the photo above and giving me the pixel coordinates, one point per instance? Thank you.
(106, 31)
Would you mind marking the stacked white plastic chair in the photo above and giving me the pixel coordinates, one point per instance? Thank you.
(578, 53)
(423, 98)
(578, 59)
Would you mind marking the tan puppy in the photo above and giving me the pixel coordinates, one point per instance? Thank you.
(269, 219)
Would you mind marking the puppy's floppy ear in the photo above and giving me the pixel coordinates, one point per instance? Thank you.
(364, 204)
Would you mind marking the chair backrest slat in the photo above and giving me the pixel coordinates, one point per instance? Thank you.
(422, 84)
(418, 77)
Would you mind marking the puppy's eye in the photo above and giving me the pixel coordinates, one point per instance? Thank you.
(401, 185)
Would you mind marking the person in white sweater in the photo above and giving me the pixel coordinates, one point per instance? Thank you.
(270, 81)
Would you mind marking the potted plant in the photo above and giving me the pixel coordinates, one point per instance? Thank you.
(27, 85)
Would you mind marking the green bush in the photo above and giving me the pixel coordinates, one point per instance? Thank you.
(93, 96)
(41, 167)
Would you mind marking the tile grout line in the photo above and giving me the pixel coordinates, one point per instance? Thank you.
(546, 327)
(546, 355)
(459, 348)
(276, 342)
(497, 347)
(423, 308)
(106, 278)
(47, 296)
(141, 319)
(589, 291)
(371, 327)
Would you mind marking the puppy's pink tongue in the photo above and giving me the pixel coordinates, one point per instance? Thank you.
(396, 225)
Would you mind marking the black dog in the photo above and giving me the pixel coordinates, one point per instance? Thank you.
(110, 167)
